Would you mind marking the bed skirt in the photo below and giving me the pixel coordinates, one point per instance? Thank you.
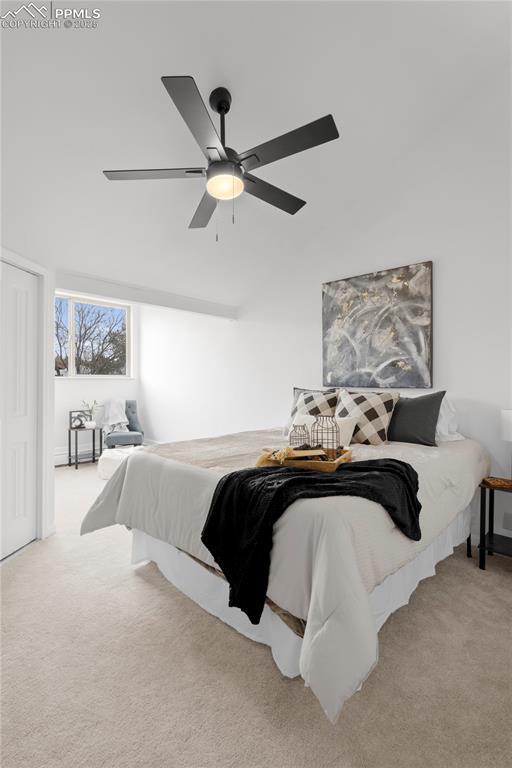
(211, 592)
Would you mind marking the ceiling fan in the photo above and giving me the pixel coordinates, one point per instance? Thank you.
(228, 172)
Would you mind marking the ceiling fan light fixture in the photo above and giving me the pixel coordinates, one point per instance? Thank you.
(225, 180)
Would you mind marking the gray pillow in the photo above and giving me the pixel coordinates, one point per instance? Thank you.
(414, 419)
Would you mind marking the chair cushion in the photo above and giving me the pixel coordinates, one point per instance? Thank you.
(123, 438)
(134, 424)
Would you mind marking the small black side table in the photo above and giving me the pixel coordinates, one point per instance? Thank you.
(76, 460)
(492, 542)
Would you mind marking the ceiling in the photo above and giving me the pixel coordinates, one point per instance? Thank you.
(77, 101)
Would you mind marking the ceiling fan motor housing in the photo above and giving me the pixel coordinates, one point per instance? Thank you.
(220, 100)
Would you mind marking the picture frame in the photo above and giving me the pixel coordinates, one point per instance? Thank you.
(77, 418)
(377, 329)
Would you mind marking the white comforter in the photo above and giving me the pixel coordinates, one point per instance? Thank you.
(327, 555)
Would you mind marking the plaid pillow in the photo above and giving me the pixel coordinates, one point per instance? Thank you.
(316, 403)
(297, 391)
(373, 411)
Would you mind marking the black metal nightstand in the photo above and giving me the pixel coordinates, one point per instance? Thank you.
(76, 461)
(491, 542)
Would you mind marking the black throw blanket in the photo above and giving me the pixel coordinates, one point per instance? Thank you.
(247, 503)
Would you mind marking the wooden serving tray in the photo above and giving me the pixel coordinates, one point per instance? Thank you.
(265, 460)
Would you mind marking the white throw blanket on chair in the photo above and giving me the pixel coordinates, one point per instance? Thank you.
(114, 417)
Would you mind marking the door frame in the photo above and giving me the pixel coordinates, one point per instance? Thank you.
(45, 512)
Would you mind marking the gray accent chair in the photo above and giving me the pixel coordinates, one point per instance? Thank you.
(135, 434)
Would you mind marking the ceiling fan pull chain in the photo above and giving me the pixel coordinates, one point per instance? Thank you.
(233, 201)
(217, 224)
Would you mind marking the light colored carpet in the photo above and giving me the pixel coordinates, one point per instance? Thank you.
(107, 666)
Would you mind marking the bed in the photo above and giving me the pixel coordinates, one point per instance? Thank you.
(339, 565)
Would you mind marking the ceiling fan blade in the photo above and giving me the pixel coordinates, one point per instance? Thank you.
(204, 212)
(273, 195)
(185, 94)
(306, 137)
(156, 173)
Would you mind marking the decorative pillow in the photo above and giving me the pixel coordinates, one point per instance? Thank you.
(414, 419)
(346, 427)
(373, 411)
(297, 391)
(316, 403)
(447, 429)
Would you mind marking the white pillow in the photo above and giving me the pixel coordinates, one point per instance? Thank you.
(346, 427)
(446, 429)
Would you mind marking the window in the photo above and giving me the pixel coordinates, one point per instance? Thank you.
(91, 337)
(61, 341)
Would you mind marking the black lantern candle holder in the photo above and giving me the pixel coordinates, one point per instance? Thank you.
(299, 436)
(325, 432)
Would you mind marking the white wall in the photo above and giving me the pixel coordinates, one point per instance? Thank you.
(202, 376)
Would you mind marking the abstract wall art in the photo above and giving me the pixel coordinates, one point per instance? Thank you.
(377, 329)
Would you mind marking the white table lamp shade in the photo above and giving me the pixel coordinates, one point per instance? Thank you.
(506, 425)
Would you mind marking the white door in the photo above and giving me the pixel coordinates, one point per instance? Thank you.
(18, 407)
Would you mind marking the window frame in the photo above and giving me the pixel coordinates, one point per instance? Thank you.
(81, 298)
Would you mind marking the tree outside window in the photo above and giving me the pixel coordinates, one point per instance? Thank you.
(91, 339)
(61, 340)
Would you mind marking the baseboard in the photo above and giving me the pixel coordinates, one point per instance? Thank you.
(475, 533)
(502, 532)
(60, 456)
